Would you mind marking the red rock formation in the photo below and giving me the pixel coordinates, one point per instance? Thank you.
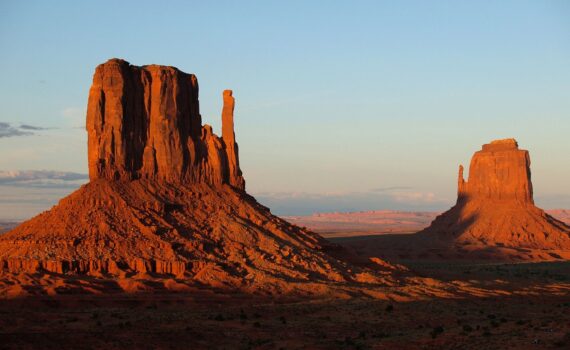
(496, 207)
(499, 172)
(166, 197)
(228, 135)
(144, 122)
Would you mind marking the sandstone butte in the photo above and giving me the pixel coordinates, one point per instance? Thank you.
(495, 207)
(166, 202)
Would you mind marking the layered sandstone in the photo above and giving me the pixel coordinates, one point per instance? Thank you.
(166, 199)
(496, 207)
(499, 172)
(145, 122)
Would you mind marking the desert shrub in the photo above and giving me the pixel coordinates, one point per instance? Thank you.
(436, 331)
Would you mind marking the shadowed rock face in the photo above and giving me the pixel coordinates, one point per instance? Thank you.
(496, 206)
(144, 122)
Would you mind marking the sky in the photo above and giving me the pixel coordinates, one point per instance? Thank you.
(340, 105)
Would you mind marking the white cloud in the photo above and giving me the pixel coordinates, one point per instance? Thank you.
(42, 178)
(397, 198)
(28, 192)
(422, 197)
(7, 130)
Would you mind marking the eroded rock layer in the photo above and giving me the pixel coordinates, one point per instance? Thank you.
(496, 207)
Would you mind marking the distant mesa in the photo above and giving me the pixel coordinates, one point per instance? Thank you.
(495, 207)
(166, 199)
(494, 219)
(499, 172)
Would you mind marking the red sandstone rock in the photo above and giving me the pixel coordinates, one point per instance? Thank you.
(496, 207)
(144, 122)
(499, 172)
(166, 197)
(228, 135)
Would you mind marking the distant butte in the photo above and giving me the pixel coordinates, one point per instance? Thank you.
(494, 219)
(495, 207)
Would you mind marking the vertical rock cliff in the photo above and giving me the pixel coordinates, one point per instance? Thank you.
(144, 122)
(499, 172)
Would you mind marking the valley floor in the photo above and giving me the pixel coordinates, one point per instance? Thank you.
(209, 320)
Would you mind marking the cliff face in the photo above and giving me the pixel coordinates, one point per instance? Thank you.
(144, 122)
(496, 206)
(499, 172)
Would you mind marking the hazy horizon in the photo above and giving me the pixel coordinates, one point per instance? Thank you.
(339, 106)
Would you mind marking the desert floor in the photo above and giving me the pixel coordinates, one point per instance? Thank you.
(209, 320)
(533, 313)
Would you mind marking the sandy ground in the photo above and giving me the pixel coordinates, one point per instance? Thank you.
(203, 319)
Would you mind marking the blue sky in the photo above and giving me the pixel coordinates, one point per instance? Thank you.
(347, 105)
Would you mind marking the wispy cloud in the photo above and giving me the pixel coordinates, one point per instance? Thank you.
(32, 127)
(7, 130)
(42, 179)
(397, 198)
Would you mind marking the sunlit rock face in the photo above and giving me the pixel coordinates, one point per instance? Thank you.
(499, 172)
(144, 122)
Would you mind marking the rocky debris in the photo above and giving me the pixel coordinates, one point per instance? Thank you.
(496, 207)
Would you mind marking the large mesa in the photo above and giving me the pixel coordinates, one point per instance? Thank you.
(145, 122)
